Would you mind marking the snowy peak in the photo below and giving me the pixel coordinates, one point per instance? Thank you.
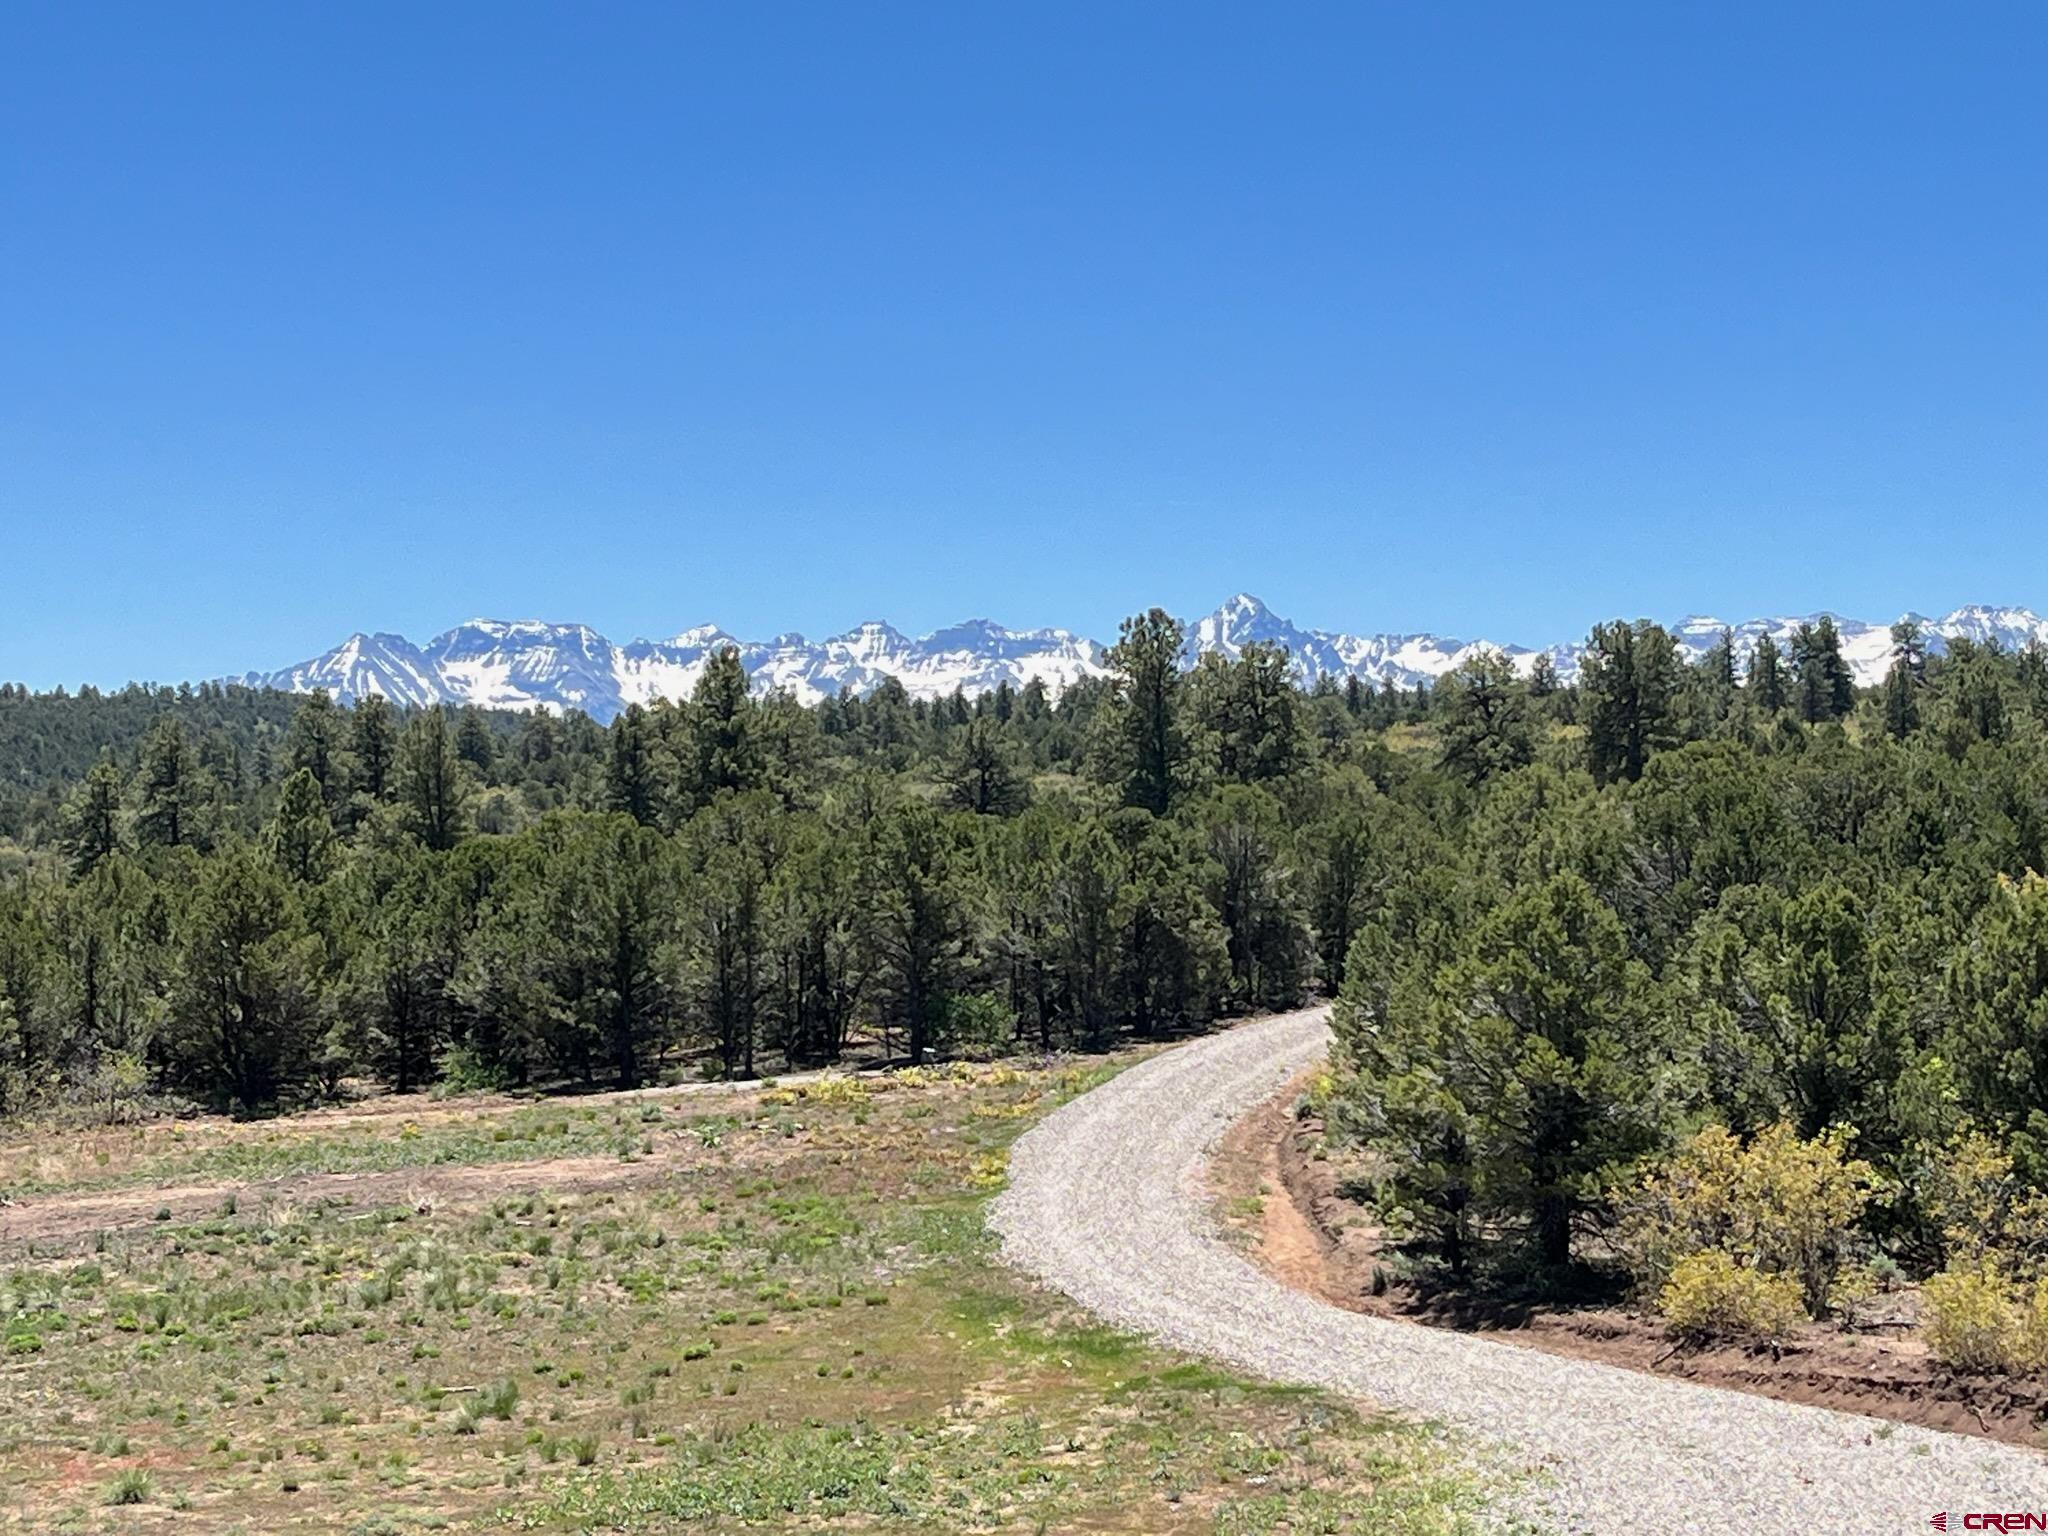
(1405, 660)
(2014, 629)
(363, 666)
(527, 663)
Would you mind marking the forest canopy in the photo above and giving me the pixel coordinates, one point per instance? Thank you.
(1566, 925)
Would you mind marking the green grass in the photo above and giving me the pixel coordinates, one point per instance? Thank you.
(798, 1322)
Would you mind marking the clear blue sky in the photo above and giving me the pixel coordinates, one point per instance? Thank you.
(1487, 319)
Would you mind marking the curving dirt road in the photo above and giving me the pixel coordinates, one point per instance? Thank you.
(1107, 1203)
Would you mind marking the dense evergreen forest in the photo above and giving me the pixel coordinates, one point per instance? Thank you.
(1574, 931)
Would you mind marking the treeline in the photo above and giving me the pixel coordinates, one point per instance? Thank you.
(243, 913)
(1746, 988)
(441, 894)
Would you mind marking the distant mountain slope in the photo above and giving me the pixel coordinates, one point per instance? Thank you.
(518, 665)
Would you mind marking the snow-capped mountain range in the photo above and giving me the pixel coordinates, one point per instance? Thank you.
(525, 663)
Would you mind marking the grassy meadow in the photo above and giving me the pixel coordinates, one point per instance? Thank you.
(774, 1309)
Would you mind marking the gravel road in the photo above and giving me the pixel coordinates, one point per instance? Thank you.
(1106, 1203)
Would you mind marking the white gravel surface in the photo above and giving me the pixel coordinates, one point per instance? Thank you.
(1107, 1203)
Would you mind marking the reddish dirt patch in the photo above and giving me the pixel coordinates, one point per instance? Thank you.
(61, 1219)
(1279, 1198)
(55, 1223)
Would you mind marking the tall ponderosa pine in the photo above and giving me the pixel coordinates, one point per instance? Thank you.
(1903, 682)
(92, 817)
(726, 756)
(1249, 713)
(1766, 685)
(169, 793)
(982, 775)
(920, 920)
(245, 1010)
(1144, 750)
(313, 744)
(373, 745)
(1826, 689)
(300, 836)
(1629, 680)
(433, 783)
(633, 767)
(1485, 729)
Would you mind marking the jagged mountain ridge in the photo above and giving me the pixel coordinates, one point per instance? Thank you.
(527, 663)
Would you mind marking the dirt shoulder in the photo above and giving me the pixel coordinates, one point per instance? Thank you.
(1278, 1201)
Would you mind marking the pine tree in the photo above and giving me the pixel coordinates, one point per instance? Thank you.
(1901, 701)
(1629, 682)
(169, 793)
(1144, 749)
(730, 947)
(982, 775)
(474, 743)
(920, 920)
(1252, 888)
(1998, 994)
(313, 743)
(1902, 683)
(1501, 1084)
(92, 817)
(1711, 685)
(540, 741)
(1800, 1016)
(1084, 934)
(301, 832)
(1485, 729)
(245, 1013)
(403, 964)
(621, 897)
(1176, 953)
(433, 784)
(108, 941)
(1249, 715)
(1342, 860)
(373, 744)
(1767, 676)
(633, 775)
(1720, 661)
(726, 756)
(822, 900)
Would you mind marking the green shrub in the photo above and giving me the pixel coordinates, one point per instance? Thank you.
(1980, 1318)
(1781, 1206)
(498, 1402)
(1970, 1192)
(976, 1024)
(1712, 1295)
(131, 1487)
